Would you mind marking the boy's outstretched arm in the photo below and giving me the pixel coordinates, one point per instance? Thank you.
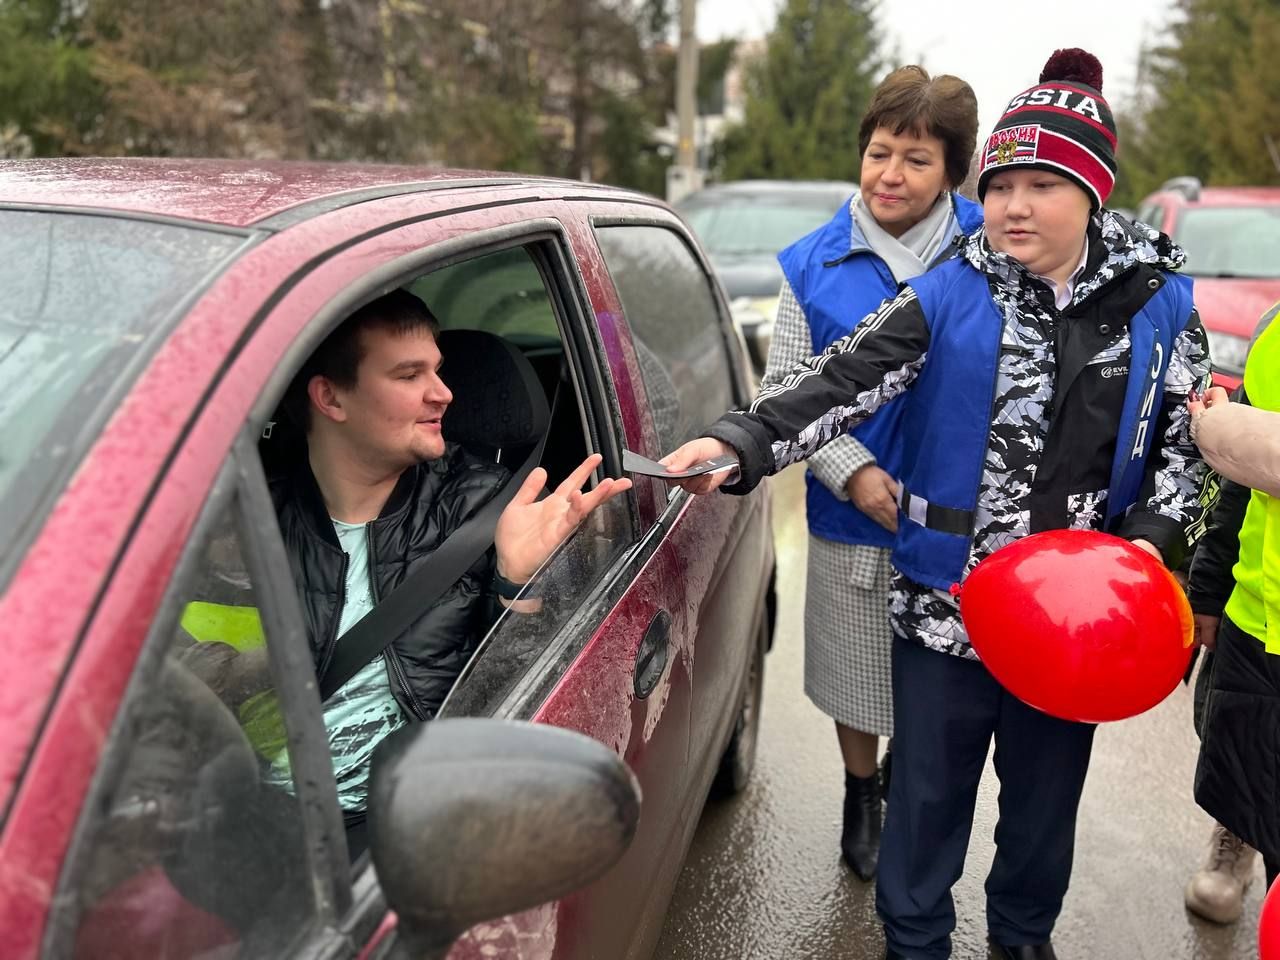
(819, 400)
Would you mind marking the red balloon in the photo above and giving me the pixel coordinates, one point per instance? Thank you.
(1079, 624)
(1269, 925)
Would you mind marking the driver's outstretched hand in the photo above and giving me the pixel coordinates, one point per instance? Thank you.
(530, 529)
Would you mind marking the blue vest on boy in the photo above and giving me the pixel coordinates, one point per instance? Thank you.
(946, 417)
(838, 280)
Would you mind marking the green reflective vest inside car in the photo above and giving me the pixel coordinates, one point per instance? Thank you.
(237, 626)
(1255, 603)
(241, 627)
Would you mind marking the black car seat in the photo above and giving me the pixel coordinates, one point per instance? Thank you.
(499, 410)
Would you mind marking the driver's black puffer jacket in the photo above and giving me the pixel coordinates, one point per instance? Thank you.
(430, 501)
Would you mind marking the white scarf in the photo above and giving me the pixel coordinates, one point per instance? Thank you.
(911, 254)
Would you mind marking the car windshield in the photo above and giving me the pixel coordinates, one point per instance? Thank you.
(754, 224)
(85, 297)
(1231, 241)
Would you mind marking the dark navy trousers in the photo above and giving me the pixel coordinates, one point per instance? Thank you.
(946, 710)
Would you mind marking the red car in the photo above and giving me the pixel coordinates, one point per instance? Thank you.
(154, 313)
(1232, 239)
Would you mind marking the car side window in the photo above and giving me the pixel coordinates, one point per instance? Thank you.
(1152, 214)
(516, 293)
(193, 843)
(505, 293)
(675, 323)
(500, 293)
(528, 650)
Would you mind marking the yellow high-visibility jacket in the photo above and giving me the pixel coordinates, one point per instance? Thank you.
(1255, 602)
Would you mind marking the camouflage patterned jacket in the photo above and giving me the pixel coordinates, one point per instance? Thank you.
(1059, 393)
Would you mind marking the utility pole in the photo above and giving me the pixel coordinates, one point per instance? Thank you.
(388, 57)
(685, 177)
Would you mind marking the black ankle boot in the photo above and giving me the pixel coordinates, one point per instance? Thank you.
(860, 839)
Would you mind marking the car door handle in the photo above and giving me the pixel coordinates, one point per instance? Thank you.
(651, 658)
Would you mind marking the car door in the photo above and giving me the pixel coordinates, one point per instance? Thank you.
(577, 663)
(606, 657)
(600, 658)
(721, 545)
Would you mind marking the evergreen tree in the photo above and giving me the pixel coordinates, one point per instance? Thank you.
(806, 95)
(1208, 103)
(50, 100)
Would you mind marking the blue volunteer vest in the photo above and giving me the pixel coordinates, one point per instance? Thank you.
(947, 412)
(838, 280)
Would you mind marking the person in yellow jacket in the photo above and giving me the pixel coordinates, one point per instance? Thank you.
(1239, 765)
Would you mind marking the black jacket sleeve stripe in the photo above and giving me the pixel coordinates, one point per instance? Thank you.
(824, 396)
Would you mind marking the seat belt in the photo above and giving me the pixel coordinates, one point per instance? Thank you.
(373, 633)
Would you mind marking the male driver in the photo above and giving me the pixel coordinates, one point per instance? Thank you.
(380, 490)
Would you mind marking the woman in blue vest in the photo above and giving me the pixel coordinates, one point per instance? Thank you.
(1044, 376)
(916, 141)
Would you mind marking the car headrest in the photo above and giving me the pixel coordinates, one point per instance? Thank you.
(497, 399)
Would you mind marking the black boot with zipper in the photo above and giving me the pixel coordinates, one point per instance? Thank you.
(860, 838)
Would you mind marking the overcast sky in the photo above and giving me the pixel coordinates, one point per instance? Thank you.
(998, 46)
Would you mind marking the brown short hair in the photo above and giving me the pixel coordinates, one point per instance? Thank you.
(338, 358)
(944, 107)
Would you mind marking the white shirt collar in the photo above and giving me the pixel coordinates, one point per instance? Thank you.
(1062, 293)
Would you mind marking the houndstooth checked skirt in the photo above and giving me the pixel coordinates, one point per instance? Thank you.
(846, 635)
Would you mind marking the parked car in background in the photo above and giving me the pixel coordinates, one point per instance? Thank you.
(1232, 239)
(154, 313)
(743, 225)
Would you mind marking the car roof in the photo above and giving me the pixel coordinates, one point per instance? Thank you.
(1227, 196)
(752, 187)
(234, 193)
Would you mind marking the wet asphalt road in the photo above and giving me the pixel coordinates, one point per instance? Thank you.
(763, 880)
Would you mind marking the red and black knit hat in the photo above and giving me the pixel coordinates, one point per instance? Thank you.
(1061, 124)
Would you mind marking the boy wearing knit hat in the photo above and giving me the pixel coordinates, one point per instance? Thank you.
(1046, 372)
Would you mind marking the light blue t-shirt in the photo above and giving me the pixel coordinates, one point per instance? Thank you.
(363, 710)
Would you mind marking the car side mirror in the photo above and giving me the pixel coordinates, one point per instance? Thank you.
(473, 819)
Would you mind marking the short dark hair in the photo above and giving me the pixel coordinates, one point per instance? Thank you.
(338, 357)
(944, 107)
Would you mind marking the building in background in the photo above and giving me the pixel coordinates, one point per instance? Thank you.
(721, 100)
